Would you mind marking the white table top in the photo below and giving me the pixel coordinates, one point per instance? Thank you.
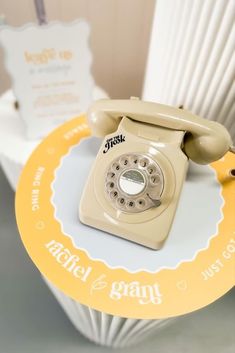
(13, 143)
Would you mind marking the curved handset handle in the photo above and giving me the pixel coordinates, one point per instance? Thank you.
(204, 142)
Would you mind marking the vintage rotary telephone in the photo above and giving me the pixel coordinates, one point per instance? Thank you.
(135, 183)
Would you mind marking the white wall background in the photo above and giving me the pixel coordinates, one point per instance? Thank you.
(120, 31)
(192, 59)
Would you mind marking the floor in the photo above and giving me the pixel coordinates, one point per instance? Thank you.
(31, 321)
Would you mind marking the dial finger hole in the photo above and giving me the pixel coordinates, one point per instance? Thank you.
(134, 160)
(141, 203)
(121, 201)
(144, 162)
(116, 166)
(114, 194)
(155, 179)
(131, 204)
(110, 185)
(151, 169)
(111, 175)
(124, 162)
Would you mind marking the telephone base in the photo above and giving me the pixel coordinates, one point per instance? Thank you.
(131, 172)
(153, 242)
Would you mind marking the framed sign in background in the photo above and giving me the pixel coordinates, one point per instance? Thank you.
(50, 70)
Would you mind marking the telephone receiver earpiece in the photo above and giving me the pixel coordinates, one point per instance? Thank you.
(205, 141)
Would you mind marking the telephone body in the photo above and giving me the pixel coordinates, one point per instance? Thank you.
(135, 183)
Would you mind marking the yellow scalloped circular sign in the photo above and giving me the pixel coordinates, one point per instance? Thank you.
(141, 294)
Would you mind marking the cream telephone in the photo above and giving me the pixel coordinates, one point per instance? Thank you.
(134, 186)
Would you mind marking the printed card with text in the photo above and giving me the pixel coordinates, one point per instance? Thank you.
(50, 70)
(110, 274)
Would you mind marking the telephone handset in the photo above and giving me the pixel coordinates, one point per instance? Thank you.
(135, 183)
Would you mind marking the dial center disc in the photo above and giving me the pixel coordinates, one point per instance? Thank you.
(132, 182)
